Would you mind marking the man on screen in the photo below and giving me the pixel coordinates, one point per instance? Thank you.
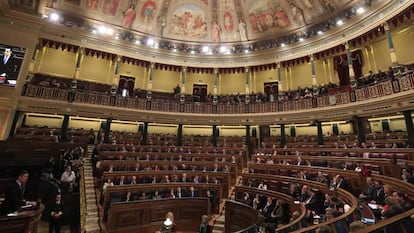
(8, 68)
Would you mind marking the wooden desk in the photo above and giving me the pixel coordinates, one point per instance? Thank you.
(148, 216)
(26, 221)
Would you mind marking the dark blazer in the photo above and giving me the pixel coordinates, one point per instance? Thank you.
(13, 198)
(54, 207)
(11, 68)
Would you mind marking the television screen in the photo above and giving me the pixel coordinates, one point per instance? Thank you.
(11, 59)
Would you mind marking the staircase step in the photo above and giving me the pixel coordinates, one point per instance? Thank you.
(92, 228)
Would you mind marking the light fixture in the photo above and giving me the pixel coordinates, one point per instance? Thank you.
(109, 31)
(339, 22)
(320, 32)
(301, 39)
(205, 49)
(150, 42)
(223, 49)
(360, 10)
(283, 44)
(54, 16)
(102, 29)
(137, 42)
(246, 51)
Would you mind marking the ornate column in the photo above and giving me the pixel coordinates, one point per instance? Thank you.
(350, 66)
(79, 59)
(279, 79)
(393, 55)
(107, 129)
(314, 84)
(247, 91)
(180, 135)
(182, 89)
(320, 132)
(150, 77)
(282, 135)
(64, 128)
(410, 128)
(248, 138)
(34, 58)
(145, 134)
(214, 139)
(215, 84)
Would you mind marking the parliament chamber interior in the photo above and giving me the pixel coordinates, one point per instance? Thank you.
(209, 116)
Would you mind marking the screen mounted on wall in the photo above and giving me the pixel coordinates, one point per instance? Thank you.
(11, 59)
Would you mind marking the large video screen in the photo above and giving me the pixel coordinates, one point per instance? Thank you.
(11, 59)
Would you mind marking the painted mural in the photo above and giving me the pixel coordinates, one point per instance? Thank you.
(191, 21)
(229, 21)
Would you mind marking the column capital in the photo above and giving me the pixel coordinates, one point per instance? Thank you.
(184, 68)
(346, 45)
(386, 26)
(216, 70)
(152, 65)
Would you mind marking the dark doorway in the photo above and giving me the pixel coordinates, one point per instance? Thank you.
(271, 91)
(199, 93)
(126, 85)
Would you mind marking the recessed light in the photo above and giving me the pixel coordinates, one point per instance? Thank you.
(360, 10)
(54, 16)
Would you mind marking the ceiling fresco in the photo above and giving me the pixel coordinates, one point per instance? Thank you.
(207, 21)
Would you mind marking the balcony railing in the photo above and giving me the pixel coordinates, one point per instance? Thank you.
(375, 90)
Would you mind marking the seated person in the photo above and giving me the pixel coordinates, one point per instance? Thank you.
(68, 179)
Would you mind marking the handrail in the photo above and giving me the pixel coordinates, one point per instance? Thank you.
(283, 196)
(82, 193)
(387, 87)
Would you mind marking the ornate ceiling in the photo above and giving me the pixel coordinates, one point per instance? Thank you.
(208, 20)
(236, 32)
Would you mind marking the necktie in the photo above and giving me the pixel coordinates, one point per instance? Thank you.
(5, 60)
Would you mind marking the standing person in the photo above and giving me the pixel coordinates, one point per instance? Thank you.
(216, 32)
(203, 228)
(8, 67)
(56, 213)
(14, 197)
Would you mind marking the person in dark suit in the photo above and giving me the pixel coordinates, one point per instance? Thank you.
(9, 68)
(56, 213)
(14, 197)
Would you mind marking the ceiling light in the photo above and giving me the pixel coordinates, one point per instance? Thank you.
(45, 16)
(54, 16)
(223, 49)
(246, 50)
(109, 31)
(360, 10)
(339, 22)
(102, 29)
(94, 31)
(192, 52)
(320, 32)
(283, 45)
(150, 42)
(301, 39)
(205, 49)
(137, 42)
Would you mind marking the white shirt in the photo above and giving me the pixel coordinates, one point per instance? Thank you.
(68, 177)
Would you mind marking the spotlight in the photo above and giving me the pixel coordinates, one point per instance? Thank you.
(102, 29)
(205, 49)
(360, 10)
(54, 16)
(150, 42)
